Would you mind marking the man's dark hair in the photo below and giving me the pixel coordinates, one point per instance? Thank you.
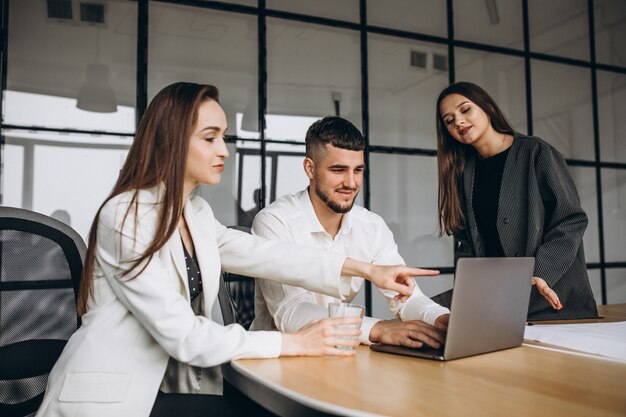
(334, 130)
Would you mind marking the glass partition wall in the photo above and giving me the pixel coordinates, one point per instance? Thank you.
(77, 75)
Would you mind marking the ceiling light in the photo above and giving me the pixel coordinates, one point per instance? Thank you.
(96, 93)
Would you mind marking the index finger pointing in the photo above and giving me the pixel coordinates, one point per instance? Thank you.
(421, 272)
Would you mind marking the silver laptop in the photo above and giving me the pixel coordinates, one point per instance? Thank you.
(488, 312)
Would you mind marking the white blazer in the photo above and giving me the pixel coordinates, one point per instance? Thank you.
(114, 364)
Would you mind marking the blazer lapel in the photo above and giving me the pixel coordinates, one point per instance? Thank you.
(174, 245)
(468, 188)
(506, 186)
(509, 192)
(200, 223)
(178, 258)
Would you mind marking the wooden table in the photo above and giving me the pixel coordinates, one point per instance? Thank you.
(613, 311)
(608, 313)
(523, 381)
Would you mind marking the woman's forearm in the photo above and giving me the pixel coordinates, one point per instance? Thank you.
(352, 267)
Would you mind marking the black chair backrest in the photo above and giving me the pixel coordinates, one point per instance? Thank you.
(41, 261)
(236, 296)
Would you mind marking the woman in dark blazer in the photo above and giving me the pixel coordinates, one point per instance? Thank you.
(505, 194)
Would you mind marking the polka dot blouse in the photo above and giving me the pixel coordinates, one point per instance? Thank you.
(193, 275)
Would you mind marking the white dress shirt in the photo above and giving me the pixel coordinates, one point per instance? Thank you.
(363, 236)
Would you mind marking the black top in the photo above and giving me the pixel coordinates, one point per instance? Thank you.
(487, 181)
(193, 274)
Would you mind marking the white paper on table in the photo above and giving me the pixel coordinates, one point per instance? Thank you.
(605, 339)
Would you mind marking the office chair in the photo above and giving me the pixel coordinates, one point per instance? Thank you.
(444, 299)
(236, 295)
(41, 260)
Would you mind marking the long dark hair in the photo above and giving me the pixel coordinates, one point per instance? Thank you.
(451, 154)
(158, 155)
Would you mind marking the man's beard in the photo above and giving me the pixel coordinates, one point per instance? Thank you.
(333, 205)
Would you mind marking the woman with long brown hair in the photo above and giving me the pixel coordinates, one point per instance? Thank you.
(152, 274)
(502, 193)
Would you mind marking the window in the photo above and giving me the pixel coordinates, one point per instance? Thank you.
(299, 61)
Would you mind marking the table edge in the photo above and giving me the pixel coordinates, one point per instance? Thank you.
(300, 399)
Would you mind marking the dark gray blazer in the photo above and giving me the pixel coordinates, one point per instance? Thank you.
(539, 214)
